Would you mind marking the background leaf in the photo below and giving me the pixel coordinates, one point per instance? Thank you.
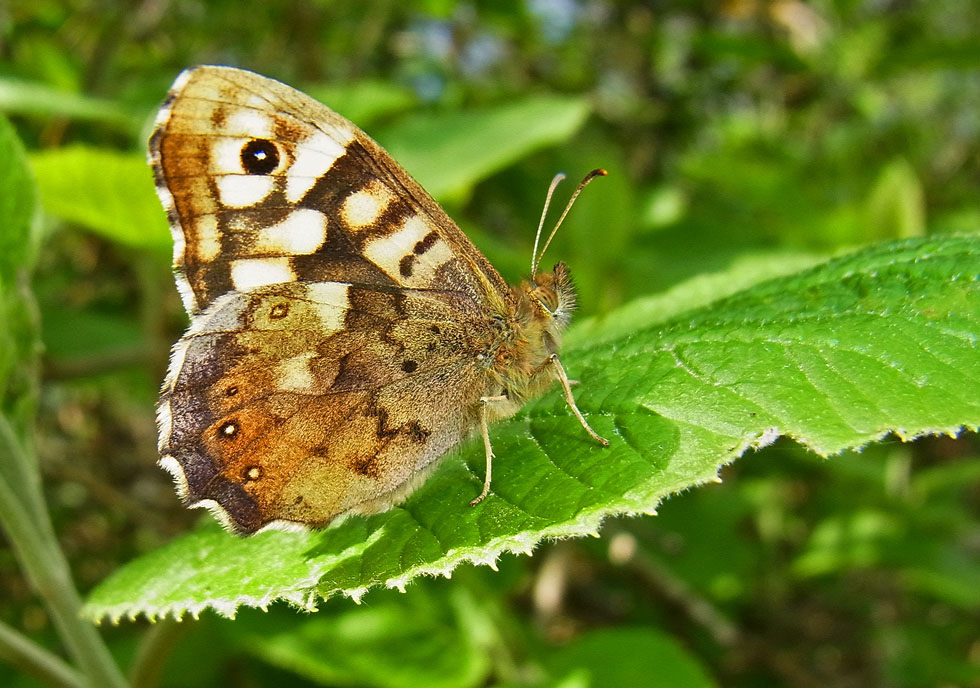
(400, 642)
(630, 657)
(18, 247)
(23, 97)
(107, 192)
(423, 143)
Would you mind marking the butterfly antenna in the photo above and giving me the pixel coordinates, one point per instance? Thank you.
(544, 213)
(536, 259)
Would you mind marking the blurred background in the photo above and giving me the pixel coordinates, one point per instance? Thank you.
(733, 131)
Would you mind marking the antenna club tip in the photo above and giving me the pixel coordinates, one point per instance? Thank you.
(597, 172)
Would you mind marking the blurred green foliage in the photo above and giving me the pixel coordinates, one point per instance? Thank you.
(742, 132)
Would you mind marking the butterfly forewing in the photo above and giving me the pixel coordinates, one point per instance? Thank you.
(265, 185)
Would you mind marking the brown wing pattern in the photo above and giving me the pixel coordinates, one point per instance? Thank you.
(297, 402)
(265, 185)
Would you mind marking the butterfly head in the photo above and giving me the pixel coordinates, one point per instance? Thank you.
(553, 294)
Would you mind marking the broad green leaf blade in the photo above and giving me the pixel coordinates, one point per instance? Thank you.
(424, 143)
(263, 568)
(615, 657)
(882, 340)
(363, 102)
(397, 641)
(22, 97)
(694, 293)
(109, 192)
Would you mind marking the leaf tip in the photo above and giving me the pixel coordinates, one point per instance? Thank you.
(356, 594)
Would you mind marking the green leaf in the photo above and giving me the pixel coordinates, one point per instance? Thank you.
(364, 102)
(896, 204)
(398, 641)
(28, 98)
(423, 144)
(18, 248)
(109, 192)
(880, 341)
(611, 658)
(17, 206)
(69, 332)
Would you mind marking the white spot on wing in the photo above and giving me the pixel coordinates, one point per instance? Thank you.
(166, 198)
(226, 155)
(186, 293)
(294, 374)
(314, 157)
(302, 232)
(256, 272)
(387, 252)
(177, 357)
(331, 303)
(248, 122)
(219, 513)
(241, 190)
(362, 208)
(173, 467)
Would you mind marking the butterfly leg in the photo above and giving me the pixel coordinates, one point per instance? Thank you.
(485, 429)
(566, 386)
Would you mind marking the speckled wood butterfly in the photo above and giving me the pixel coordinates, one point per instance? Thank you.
(345, 334)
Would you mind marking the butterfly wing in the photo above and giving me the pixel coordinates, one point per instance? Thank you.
(262, 184)
(340, 321)
(295, 403)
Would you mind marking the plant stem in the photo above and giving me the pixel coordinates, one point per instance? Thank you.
(31, 658)
(154, 652)
(34, 543)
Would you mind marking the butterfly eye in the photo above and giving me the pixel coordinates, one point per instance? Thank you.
(259, 156)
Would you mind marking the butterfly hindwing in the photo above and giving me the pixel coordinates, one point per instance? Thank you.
(300, 402)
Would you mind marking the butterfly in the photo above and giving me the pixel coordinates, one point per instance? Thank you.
(344, 333)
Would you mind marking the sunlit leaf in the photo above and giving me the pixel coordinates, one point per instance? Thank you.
(105, 191)
(880, 341)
